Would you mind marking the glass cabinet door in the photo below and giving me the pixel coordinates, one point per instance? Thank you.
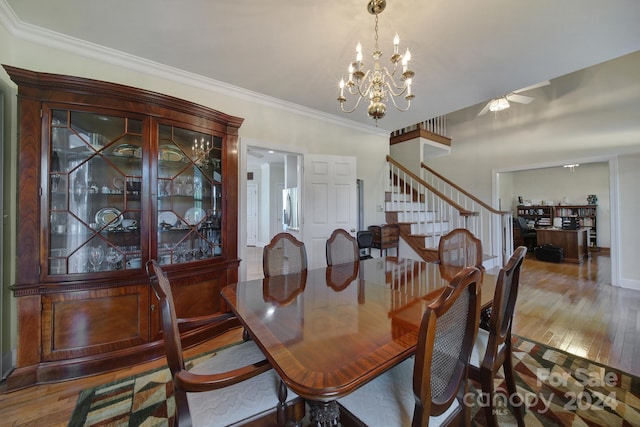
(189, 195)
(95, 177)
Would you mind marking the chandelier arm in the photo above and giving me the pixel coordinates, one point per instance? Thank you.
(392, 79)
(392, 73)
(393, 100)
(354, 107)
(392, 93)
(358, 87)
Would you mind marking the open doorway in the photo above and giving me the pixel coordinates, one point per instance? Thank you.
(574, 183)
(265, 173)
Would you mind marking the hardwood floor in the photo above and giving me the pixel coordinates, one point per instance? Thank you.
(570, 307)
(574, 308)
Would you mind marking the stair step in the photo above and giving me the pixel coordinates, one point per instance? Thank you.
(421, 216)
(429, 228)
(405, 206)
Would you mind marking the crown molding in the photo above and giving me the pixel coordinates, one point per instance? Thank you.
(38, 35)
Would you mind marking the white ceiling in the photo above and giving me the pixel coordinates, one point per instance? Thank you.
(465, 52)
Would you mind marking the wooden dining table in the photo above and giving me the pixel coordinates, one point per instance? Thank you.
(329, 330)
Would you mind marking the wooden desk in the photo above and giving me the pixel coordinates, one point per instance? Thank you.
(574, 243)
(340, 326)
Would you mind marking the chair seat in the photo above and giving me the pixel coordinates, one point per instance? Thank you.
(239, 401)
(388, 400)
(480, 348)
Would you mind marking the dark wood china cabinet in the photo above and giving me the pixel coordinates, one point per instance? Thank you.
(111, 176)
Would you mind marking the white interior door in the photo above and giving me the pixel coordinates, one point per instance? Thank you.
(252, 214)
(330, 202)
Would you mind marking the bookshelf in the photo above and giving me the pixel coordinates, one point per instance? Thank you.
(584, 215)
(537, 216)
(572, 216)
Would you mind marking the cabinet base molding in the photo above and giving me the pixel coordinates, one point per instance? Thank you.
(63, 370)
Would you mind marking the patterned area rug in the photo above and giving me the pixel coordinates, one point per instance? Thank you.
(558, 390)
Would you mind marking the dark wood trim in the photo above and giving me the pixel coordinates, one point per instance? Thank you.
(420, 133)
(48, 372)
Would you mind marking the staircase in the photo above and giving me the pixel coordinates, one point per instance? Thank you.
(426, 208)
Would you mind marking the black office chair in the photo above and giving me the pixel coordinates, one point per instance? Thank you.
(365, 240)
(527, 233)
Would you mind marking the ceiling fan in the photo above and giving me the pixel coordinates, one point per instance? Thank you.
(502, 103)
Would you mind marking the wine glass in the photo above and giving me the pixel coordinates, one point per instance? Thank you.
(113, 258)
(96, 256)
(204, 248)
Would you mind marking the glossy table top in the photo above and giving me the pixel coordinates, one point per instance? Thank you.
(329, 330)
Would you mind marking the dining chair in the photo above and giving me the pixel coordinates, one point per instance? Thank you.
(284, 254)
(341, 248)
(457, 249)
(428, 389)
(460, 248)
(492, 348)
(236, 384)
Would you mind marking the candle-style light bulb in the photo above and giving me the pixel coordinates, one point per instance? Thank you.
(405, 60)
(358, 55)
(396, 43)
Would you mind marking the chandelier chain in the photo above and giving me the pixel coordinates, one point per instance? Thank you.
(376, 31)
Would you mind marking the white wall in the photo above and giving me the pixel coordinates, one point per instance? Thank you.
(629, 208)
(592, 115)
(409, 153)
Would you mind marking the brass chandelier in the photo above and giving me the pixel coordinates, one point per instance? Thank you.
(378, 84)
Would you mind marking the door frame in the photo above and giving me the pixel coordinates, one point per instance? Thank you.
(243, 144)
(255, 202)
(612, 162)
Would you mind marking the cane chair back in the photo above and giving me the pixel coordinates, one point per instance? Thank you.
(283, 255)
(492, 349)
(460, 248)
(341, 248)
(428, 389)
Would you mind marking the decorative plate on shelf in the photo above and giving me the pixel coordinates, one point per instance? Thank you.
(170, 153)
(108, 216)
(194, 215)
(167, 217)
(127, 150)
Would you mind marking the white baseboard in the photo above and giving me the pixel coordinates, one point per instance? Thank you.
(630, 284)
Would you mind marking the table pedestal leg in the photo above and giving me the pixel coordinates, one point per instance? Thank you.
(324, 414)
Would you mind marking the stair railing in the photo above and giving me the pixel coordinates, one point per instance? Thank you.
(494, 227)
(430, 212)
